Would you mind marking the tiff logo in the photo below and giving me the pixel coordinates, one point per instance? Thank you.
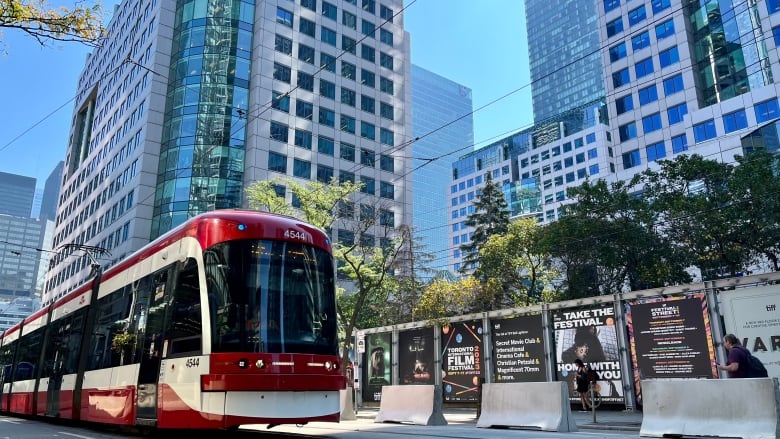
(771, 307)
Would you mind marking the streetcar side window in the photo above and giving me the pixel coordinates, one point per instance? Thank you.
(6, 362)
(29, 349)
(186, 326)
(113, 337)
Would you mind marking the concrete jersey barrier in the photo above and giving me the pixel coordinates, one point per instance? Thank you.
(743, 407)
(345, 402)
(418, 404)
(539, 405)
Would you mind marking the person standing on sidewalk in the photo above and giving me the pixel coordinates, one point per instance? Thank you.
(581, 380)
(737, 357)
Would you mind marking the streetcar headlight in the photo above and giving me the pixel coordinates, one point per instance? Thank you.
(243, 363)
(328, 365)
(260, 364)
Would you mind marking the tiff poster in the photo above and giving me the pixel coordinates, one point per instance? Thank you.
(753, 315)
(462, 352)
(518, 350)
(376, 367)
(415, 356)
(589, 334)
(671, 338)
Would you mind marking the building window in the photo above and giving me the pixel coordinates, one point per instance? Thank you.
(614, 27)
(367, 104)
(631, 159)
(386, 110)
(347, 123)
(327, 89)
(627, 131)
(302, 168)
(734, 121)
(279, 131)
(307, 27)
(611, 4)
(620, 78)
(284, 17)
(660, 5)
(386, 37)
(386, 13)
(309, 4)
(330, 11)
(665, 29)
(369, 185)
(766, 110)
(643, 67)
(617, 52)
(704, 131)
(367, 78)
(673, 85)
(386, 163)
(368, 53)
(304, 109)
(668, 57)
(367, 130)
(386, 190)
(652, 123)
(282, 73)
(305, 81)
(640, 41)
(656, 151)
(386, 137)
(306, 53)
(624, 103)
(349, 20)
(386, 218)
(367, 157)
(277, 162)
(679, 143)
(303, 138)
(325, 145)
(283, 45)
(636, 16)
(347, 152)
(386, 85)
(348, 70)
(327, 117)
(776, 34)
(647, 95)
(328, 36)
(676, 113)
(281, 101)
(324, 173)
(328, 62)
(592, 170)
(386, 60)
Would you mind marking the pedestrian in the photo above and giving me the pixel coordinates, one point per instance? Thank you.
(581, 380)
(736, 363)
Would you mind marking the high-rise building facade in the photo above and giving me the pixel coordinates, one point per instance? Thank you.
(51, 192)
(443, 127)
(16, 194)
(190, 102)
(563, 55)
(690, 77)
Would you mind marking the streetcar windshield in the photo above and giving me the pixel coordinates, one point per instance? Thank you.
(271, 296)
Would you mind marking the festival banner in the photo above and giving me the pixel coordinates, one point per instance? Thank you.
(518, 349)
(376, 367)
(462, 352)
(753, 316)
(671, 338)
(589, 334)
(415, 356)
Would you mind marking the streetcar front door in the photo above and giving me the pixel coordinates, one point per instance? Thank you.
(151, 312)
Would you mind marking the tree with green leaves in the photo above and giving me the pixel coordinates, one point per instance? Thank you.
(693, 196)
(516, 259)
(82, 23)
(490, 217)
(755, 210)
(442, 300)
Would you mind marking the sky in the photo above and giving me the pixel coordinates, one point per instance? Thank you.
(478, 44)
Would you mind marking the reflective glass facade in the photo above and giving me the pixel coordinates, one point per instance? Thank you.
(202, 150)
(563, 55)
(437, 102)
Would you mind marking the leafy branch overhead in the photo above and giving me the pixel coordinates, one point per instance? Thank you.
(82, 23)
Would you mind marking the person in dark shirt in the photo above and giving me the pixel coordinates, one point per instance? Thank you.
(736, 363)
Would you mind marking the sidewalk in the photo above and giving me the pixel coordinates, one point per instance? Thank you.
(605, 419)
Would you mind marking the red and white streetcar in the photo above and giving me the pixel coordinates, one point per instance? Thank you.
(229, 319)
